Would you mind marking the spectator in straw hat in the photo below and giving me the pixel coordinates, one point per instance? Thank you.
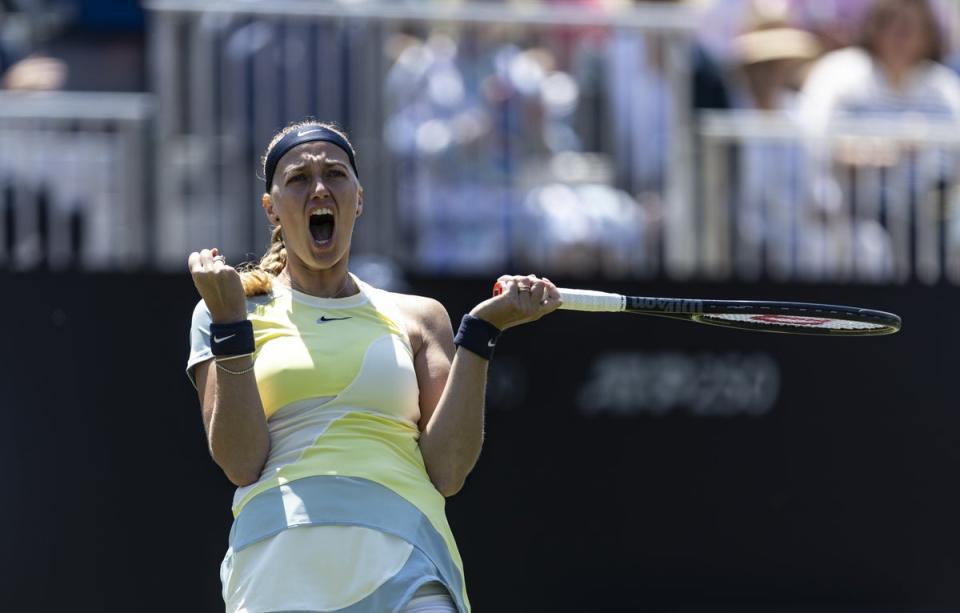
(773, 196)
(771, 59)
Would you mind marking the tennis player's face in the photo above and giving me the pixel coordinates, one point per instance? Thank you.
(316, 199)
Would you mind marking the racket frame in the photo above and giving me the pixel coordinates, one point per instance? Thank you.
(700, 310)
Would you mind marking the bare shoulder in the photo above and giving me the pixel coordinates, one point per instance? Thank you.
(425, 311)
(426, 314)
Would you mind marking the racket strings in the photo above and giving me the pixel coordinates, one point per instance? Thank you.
(796, 321)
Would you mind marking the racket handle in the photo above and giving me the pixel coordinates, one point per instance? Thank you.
(585, 300)
(591, 301)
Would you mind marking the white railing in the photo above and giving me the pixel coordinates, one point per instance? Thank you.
(462, 172)
(872, 199)
(74, 180)
(660, 17)
(465, 127)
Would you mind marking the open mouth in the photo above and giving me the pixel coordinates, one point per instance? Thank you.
(322, 224)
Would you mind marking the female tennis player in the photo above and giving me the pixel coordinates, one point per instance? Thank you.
(343, 412)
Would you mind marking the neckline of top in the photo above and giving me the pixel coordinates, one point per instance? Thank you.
(361, 297)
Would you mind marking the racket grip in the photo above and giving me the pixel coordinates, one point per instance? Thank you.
(591, 301)
(584, 300)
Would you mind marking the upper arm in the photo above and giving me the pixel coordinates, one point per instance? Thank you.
(205, 377)
(199, 362)
(434, 355)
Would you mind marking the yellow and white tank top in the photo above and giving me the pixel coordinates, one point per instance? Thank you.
(339, 389)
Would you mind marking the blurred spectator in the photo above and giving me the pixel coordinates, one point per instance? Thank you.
(432, 108)
(894, 71)
(836, 23)
(78, 45)
(24, 196)
(771, 58)
(638, 105)
(35, 73)
(566, 41)
(472, 122)
(439, 129)
(22, 65)
(50, 171)
(774, 191)
(578, 224)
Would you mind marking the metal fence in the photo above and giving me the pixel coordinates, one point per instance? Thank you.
(556, 140)
(874, 199)
(74, 180)
(487, 138)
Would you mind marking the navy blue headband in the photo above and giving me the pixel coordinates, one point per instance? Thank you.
(305, 134)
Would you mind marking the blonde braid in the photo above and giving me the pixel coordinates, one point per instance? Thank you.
(258, 279)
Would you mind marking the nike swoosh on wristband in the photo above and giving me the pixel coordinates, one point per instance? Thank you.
(324, 319)
(305, 132)
(221, 339)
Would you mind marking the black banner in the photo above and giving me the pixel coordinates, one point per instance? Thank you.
(631, 463)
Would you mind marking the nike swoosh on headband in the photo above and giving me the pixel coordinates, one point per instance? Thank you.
(304, 133)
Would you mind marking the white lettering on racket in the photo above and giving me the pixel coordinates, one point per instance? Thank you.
(218, 339)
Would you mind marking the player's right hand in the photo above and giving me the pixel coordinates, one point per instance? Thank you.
(518, 300)
(219, 286)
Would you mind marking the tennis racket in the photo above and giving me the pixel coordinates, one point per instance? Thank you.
(767, 316)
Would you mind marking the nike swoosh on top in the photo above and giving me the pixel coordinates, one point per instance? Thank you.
(218, 339)
(491, 343)
(305, 132)
(324, 319)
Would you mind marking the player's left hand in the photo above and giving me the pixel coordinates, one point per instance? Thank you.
(522, 299)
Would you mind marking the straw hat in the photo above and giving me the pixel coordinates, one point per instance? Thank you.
(779, 43)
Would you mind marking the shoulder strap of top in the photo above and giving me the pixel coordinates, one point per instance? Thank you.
(384, 302)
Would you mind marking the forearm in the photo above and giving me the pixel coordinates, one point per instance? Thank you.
(451, 440)
(452, 392)
(237, 428)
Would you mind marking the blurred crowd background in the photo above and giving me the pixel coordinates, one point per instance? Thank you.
(779, 139)
(768, 149)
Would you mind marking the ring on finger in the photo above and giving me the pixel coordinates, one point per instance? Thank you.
(523, 288)
(219, 258)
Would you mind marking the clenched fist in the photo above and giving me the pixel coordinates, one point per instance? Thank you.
(523, 299)
(219, 286)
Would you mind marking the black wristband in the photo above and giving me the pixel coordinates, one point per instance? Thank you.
(477, 335)
(232, 339)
